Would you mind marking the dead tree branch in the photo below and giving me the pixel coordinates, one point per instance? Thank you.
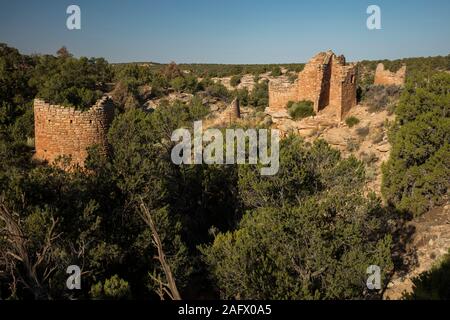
(17, 251)
(170, 288)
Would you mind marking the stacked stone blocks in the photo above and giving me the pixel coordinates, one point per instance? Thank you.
(65, 131)
(386, 77)
(326, 80)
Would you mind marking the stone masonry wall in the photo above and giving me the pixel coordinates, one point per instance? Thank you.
(310, 81)
(326, 80)
(348, 88)
(231, 113)
(386, 77)
(65, 131)
(336, 79)
(280, 94)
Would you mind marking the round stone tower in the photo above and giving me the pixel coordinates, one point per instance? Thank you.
(63, 131)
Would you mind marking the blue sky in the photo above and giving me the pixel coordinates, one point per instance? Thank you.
(228, 31)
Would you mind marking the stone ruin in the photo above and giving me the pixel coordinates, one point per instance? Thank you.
(64, 131)
(327, 81)
(386, 77)
(231, 113)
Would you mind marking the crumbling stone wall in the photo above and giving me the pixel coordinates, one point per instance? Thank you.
(348, 92)
(343, 86)
(314, 81)
(326, 80)
(232, 112)
(386, 77)
(65, 131)
(281, 93)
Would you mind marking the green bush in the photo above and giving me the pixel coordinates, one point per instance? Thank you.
(351, 121)
(259, 96)
(433, 284)
(218, 90)
(289, 104)
(69, 81)
(301, 109)
(197, 110)
(113, 288)
(378, 97)
(235, 80)
(308, 232)
(178, 83)
(242, 95)
(292, 77)
(415, 178)
(276, 71)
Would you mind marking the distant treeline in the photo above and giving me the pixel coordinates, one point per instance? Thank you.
(437, 63)
(416, 68)
(221, 70)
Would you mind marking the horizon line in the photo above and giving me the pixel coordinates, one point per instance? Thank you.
(221, 63)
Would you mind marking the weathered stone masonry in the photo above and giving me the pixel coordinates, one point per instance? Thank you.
(232, 112)
(386, 77)
(326, 80)
(65, 131)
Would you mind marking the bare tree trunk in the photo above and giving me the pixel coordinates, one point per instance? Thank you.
(18, 252)
(170, 288)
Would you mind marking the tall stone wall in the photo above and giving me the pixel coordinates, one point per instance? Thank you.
(386, 77)
(310, 81)
(343, 86)
(326, 80)
(232, 112)
(280, 94)
(65, 131)
(348, 87)
(336, 80)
